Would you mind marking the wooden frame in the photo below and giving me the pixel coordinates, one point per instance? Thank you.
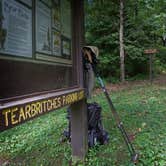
(23, 79)
(11, 90)
(32, 87)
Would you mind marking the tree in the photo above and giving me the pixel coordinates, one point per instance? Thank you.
(121, 42)
(143, 24)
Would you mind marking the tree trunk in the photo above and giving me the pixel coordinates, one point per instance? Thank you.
(121, 41)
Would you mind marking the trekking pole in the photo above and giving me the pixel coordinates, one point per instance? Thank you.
(134, 155)
(90, 56)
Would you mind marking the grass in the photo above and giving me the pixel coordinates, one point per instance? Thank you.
(142, 109)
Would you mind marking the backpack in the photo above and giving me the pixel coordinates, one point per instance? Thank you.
(96, 132)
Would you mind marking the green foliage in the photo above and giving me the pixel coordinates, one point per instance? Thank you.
(142, 110)
(160, 62)
(144, 27)
(36, 142)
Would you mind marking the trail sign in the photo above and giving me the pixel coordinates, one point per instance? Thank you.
(41, 63)
(37, 53)
(150, 51)
(19, 112)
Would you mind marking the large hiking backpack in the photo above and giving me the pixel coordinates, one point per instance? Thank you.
(96, 132)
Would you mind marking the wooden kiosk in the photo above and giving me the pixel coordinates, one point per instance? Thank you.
(41, 64)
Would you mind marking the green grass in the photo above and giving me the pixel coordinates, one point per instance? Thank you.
(143, 110)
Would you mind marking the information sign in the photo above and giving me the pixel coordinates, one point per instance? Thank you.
(43, 28)
(41, 64)
(66, 47)
(66, 18)
(56, 15)
(150, 51)
(56, 43)
(15, 29)
(40, 70)
(11, 116)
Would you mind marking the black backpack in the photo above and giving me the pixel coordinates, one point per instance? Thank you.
(96, 132)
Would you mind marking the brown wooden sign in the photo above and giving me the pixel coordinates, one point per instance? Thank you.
(37, 52)
(16, 113)
(40, 58)
(41, 64)
(150, 51)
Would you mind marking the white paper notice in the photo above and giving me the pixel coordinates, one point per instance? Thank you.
(43, 28)
(15, 29)
(66, 48)
(66, 18)
(56, 15)
(56, 43)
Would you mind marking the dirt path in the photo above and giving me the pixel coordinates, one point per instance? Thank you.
(159, 80)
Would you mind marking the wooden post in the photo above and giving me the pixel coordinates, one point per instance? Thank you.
(79, 125)
(151, 53)
(79, 131)
(31, 86)
(151, 68)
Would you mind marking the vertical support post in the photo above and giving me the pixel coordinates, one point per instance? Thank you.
(79, 125)
(151, 68)
(79, 130)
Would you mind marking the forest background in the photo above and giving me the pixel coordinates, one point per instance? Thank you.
(144, 28)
